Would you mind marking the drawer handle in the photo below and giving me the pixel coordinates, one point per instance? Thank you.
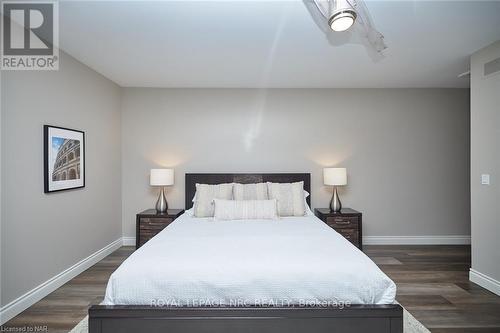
(342, 222)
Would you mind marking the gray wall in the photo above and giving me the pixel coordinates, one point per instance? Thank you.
(44, 234)
(1, 213)
(406, 150)
(485, 159)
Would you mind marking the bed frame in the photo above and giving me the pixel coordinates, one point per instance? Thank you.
(346, 319)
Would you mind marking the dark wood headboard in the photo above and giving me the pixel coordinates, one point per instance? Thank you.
(244, 178)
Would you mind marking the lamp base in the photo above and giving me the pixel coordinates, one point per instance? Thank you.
(335, 204)
(161, 204)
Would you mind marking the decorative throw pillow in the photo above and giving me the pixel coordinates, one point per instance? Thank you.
(290, 197)
(245, 209)
(205, 195)
(256, 191)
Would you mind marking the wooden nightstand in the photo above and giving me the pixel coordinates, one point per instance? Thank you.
(150, 222)
(347, 222)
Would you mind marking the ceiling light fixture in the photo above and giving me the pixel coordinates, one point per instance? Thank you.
(343, 15)
(333, 16)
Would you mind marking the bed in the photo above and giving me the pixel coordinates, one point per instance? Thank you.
(291, 275)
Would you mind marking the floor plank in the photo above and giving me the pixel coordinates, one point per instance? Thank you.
(432, 281)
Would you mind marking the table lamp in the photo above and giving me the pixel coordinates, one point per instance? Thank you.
(162, 178)
(335, 177)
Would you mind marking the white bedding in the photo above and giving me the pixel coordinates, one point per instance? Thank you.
(290, 261)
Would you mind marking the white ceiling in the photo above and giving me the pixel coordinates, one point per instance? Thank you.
(273, 43)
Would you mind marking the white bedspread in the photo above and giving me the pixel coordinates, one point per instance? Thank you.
(294, 260)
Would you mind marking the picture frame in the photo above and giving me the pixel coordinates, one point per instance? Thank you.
(64, 158)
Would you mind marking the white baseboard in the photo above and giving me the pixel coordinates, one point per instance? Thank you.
(23, 302)
(485, 281)
(128, 241)
(416, 240)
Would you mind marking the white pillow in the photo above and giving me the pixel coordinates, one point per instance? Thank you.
(245, 209)
(290, 197)
(205, 195)
(257, 191)
(308, 209)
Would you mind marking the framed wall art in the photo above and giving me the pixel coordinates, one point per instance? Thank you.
(64, 159)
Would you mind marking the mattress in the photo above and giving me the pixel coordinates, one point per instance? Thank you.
(286, 262)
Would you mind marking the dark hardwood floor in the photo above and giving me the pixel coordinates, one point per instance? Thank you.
(67, 306)
(433, 285)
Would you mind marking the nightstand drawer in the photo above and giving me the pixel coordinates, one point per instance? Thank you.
(156, 220)
(155, 223)
(148, 230)
(146, 237)
(154, 229)
(343, 221)
(350, 234)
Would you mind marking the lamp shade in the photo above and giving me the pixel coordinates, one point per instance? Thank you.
(335, 176)
(161, 177)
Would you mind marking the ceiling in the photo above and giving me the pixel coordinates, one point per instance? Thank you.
(273, 43)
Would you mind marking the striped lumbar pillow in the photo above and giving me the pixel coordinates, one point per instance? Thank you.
(257, 191)
(245, 209)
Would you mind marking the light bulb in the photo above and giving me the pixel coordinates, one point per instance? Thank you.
(342, 21)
